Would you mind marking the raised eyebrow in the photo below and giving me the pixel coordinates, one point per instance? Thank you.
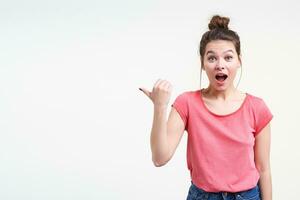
(214, 52)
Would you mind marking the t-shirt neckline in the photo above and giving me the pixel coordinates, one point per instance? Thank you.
(218, 115)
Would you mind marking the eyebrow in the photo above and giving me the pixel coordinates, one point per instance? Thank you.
(223, 52)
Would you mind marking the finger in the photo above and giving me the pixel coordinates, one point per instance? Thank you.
(169, 86)
(164, 84)
(157, 83)
(145, 91)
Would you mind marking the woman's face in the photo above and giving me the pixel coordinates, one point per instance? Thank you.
(220, 63)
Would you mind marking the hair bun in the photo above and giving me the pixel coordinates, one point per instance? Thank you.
(218, 22)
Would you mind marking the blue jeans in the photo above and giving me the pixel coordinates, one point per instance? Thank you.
(196, 193)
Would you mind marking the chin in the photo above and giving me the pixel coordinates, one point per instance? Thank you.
(220, 88)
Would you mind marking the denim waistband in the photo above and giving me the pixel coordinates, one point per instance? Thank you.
(256, 187)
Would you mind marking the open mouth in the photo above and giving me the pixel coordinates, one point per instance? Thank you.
(221, 77)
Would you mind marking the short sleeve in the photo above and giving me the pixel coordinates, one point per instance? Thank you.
(263, 116)
(180, 104)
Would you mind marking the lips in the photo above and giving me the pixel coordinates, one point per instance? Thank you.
(221, 77)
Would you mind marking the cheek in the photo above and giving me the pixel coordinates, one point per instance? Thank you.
(233, 72)
(208, 66)
(210, 70)
(210, 74)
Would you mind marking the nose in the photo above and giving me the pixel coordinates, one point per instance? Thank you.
(219, 66)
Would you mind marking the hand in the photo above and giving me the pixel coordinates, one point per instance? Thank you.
(160, 94)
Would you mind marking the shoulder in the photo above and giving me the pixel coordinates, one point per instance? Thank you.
(189, 93)
(186, 97)
(256, 102)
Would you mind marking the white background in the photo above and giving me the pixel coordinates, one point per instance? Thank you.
(73, 124)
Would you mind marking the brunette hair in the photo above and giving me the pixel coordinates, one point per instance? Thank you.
(218, 30)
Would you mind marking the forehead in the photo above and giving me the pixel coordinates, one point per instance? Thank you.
(219, 47)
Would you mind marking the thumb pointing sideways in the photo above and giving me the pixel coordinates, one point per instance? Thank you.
(146, 92)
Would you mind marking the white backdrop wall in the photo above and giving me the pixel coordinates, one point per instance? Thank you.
(73, 124)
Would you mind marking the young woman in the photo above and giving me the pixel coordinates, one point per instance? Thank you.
(228, 130)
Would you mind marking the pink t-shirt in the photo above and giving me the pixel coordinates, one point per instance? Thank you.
(220, 154)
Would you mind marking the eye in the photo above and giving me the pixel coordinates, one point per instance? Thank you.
(228, 57)
(211, 58)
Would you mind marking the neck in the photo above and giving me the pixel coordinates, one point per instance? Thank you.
(222, 95)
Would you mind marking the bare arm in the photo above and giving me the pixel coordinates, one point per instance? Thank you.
(165, 134)
(262, 161)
